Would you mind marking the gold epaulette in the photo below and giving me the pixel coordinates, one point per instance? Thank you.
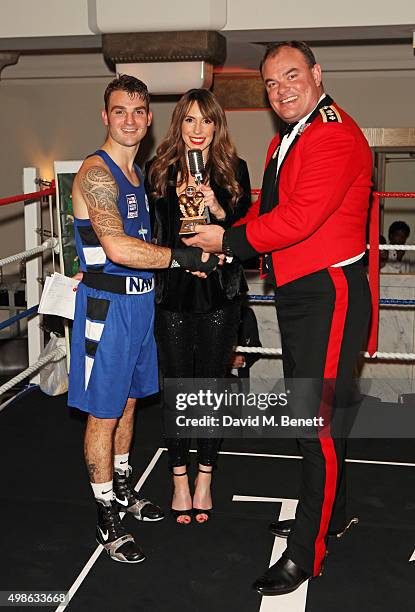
(330, 114)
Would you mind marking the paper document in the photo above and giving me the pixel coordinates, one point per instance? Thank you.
(58, 297)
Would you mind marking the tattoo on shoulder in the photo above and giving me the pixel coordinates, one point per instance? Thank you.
(101, 193)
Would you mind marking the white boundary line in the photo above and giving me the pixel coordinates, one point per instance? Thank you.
(85, 570)
(368, 461)
(297, 600)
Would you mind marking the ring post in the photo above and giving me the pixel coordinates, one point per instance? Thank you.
(32, 220)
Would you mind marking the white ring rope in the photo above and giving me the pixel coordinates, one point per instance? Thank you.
(397, 247)
(56, 355)
(50, 243)
(378, 355)
(277, 351)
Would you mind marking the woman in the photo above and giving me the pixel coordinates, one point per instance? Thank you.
(197, 318)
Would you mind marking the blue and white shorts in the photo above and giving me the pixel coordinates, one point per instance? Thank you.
(113, 351)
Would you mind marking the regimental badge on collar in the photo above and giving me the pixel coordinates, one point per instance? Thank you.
(330, 114)
(303, 128)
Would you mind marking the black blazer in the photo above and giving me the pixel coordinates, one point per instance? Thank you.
(165, 226)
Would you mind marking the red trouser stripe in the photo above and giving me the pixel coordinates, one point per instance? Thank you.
(330, 373)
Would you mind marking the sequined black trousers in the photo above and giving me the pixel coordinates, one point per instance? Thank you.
(196, 346)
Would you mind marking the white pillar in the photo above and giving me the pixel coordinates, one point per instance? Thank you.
(32, 220)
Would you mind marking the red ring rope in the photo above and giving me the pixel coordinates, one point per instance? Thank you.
(395, 194)
(29, 196)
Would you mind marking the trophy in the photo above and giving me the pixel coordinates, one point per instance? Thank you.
(191, 201)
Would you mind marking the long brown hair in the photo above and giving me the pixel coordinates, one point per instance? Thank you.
(222, 160)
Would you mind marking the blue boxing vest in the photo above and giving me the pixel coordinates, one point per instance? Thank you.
(134, 210)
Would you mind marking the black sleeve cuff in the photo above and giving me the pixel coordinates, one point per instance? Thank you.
(222, 222)
(237, 242)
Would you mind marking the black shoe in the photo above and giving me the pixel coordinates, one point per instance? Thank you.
(178, 514)
(119, 544)
(128, 501)
(281, 578)
(199, 512)
(282, 528)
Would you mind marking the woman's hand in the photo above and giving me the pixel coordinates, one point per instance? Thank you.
(212, 203)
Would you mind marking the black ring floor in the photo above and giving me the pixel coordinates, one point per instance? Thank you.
(48, 523)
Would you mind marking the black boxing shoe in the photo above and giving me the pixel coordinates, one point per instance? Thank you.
(119, 544)
(282, 529)
(128, 501)
(281, 578)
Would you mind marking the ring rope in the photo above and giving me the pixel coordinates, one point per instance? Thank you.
(395, 247)
(379, 194)
(50, 243)
(394, 194)
(35, 195)
(52, 191)
(382, 301)
(277, 351)
(22, 315)
(56, 355)
(395, 301)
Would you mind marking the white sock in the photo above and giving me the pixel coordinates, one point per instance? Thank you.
(121, 462)
(103, 490)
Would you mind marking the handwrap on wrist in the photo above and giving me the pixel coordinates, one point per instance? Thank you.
(190, 258)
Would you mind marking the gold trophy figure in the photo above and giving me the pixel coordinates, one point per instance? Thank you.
(191, 201)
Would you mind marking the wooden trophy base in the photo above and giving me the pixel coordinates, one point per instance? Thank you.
(188, 225)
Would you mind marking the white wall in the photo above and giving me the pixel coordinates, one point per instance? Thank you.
(26, 18)
(42, 120)
(273, 14)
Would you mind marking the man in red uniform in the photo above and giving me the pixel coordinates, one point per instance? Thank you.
(309, 225)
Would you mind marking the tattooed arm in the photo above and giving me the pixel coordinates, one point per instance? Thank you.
(100, 193)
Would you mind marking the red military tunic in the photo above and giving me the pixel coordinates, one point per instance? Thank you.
(323, 197)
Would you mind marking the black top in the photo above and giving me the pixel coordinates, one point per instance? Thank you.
(176, 289)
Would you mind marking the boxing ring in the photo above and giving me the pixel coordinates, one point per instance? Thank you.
(34, 198)
(155, 471)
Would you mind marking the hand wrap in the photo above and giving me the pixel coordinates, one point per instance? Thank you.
(190, 258)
